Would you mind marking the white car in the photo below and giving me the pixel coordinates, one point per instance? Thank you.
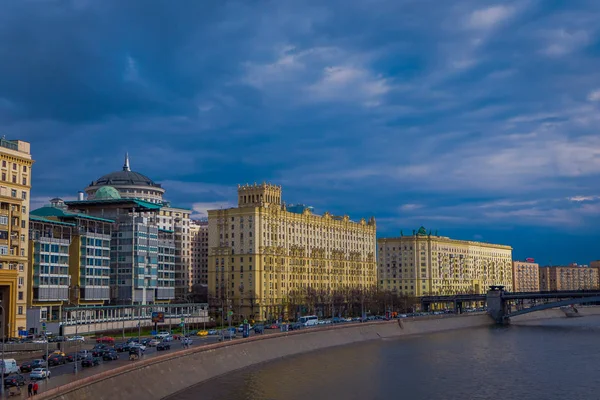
(154, 343)
(76, 338)
(162, 334)
(39, 373)
(40, 341)
(136, 345)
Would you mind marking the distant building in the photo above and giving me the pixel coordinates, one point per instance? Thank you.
(526, 276)
(199, 244)
(424, 264)
(134, 185)
(595, 264)
(262, 255)
(571, 277)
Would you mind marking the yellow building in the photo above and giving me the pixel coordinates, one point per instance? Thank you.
(199, 248)
(572, 277)
(15, 186)
(526, 276)
(262, 253)
(427, 264)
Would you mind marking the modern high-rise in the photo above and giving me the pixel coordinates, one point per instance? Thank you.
(134, 185)
(424, 264)
(262, 253)
(15, 186)
(89, 254)
(199, 240)
(570, 277)
(526, 276)
(134, 247)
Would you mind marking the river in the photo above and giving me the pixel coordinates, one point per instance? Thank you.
(551, 359)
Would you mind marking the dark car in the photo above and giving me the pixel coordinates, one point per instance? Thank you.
(163, 346)
(145, 341)
(14, 380)
(29, 366)
(74, 357)
(99, 352)
(90, 362)
(121, 347)
(295, 326)
(100, 347)
(259, 329)
(56, 359)
(110, 355)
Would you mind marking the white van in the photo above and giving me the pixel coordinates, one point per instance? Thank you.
(309, 320)
(10, 366)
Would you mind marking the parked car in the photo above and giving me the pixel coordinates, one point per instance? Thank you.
(259, 329)
(121, 347)
(39, 373)
(229, 334)
(163, 346)
(106, 340)
(163, 334)
(213, 332)
(295, 326)
(90, 362)
(110, 355)
(15, 380)
(29, 366)
(154, 343)
(76, 338)
(135, 345)
(272, 326)
(56, 359)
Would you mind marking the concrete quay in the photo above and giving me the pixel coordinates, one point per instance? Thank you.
(165, 376)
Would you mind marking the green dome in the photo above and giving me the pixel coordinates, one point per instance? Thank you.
(107, 193)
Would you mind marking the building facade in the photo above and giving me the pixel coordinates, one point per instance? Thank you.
(15, 187)
(261, 254)
(572, 277)
(199, 241)
(526, 276)
(427, 264)
(134, 247)
(134, 185)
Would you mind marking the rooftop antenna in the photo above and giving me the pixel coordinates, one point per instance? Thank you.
(126, 164)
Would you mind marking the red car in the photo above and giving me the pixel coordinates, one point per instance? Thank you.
(106, 339)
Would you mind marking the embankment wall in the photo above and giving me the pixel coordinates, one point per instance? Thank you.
(166, 375)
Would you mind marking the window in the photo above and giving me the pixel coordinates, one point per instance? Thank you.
(14, 179)
(4, 163)
(21, 280)
(20, 295)
(24, 168)
(14, 166)
(13, 193)
(3, 220)
(24, 209)
(4, 176)
(24, 181)
(20, 310)
(24, 195)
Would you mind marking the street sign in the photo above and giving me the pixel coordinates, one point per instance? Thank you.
(158, 317)
(230, 313)
(245, 321)
(44, 326)
(181, 324)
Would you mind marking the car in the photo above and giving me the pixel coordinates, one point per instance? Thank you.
(295, 326)
(84, 353)
(213, 332)
(76, 338)
(100, 352)
(186, 341)
(110, 355)
(163, 346)
(39, 341)
(154, 343)
(100, 347)
(146, 341)
(56, 359)
(90, 362)
(14, 381)
(167, 338)
(228, 334)
(29, 366)
(39, 373)
(135, 345)
(121, 347)
(259, 329)
(74, 357)
(106, 339)
(272, 326)
(163, 334)
(202, 333)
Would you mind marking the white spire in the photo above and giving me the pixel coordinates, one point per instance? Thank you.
(126, 165)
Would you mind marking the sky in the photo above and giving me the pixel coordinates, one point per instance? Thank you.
(478, 119)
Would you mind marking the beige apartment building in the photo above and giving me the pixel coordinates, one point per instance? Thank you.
(15, 187)
(199, 241)
(526, 276)
(262, 253)
(572, 277)
(424, 264)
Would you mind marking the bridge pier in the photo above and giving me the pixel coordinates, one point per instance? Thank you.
(496, 305)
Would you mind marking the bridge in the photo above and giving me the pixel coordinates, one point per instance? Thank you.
(502, 305)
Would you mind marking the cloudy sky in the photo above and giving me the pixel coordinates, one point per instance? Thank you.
(478, 119)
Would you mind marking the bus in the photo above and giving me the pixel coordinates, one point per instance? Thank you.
(309, 320)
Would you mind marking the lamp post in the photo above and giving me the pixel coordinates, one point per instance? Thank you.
(77, 342)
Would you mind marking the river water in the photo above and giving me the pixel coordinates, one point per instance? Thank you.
(552, 359)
